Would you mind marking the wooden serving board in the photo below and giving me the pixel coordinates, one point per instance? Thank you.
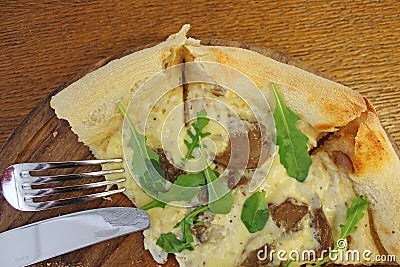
(41, 136)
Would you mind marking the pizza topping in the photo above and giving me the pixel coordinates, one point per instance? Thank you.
(201, 232)
(353, 215)
(220, 199)
(233, 177)
(323, 232)
(195, 132)
(254, 259)
(236, 179)
(171, 244)
(219, 196)
(343, 161)
(186, 188)
(255, 141)
(293, 149)
(218, 90)
(171, 172)
(255, 212)
(201, 227)
(146, 163)
(288, 214)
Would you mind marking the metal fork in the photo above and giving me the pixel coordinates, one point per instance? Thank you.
(18, 182)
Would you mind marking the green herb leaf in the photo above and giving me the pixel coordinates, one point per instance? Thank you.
(146, 163)
(255, 212)
(198, 126)
(153, 156)
(353, 215)
(290, 263)
(187, 222)
(171, 244)
(219, 198)
(186, 187)
(152, 181)
(293, 150)
(153, 204)
(186, 184)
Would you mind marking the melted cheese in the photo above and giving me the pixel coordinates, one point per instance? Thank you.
(162, 221)
(133, 191)
(229, 241)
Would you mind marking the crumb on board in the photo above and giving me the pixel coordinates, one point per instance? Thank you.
(107, 198)
(59, 263)
(55, 134)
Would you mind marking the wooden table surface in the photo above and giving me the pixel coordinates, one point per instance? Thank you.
(356, 43)
(42, 44)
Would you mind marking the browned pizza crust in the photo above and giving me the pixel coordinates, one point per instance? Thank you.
(324, 104)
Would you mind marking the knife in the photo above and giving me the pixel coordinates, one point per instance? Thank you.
(52, 237)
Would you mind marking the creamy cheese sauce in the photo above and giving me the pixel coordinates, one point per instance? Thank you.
(162, 221)
(230, 242)
(225, 246)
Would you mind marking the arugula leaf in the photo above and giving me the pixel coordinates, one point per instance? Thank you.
(290, 263)
(187, 222)
(171, 244)
(198, 126)
(152, 180)
(353, 215)
(216, 189)
(255, 212)
(185, 188)
(154, 204)
(145, 163)
(293, 150)
(153, 156)
(219, 197)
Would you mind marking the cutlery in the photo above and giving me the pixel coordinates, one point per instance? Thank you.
(19, 185)
(52, 237)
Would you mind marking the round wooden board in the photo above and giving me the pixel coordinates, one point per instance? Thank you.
(41, 136)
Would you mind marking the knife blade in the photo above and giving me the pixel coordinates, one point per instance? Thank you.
(52, 237)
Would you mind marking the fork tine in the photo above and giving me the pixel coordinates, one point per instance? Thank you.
(68, 201)
(43, 192)
(39, 180)
(64, 164)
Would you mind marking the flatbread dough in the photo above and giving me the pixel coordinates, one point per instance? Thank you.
(325, 107)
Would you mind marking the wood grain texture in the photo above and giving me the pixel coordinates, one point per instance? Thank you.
(43, 44)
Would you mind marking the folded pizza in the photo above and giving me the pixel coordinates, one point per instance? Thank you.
(242, 160)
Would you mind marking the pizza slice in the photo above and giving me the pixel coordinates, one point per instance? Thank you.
(348, 148)
(344, 187)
